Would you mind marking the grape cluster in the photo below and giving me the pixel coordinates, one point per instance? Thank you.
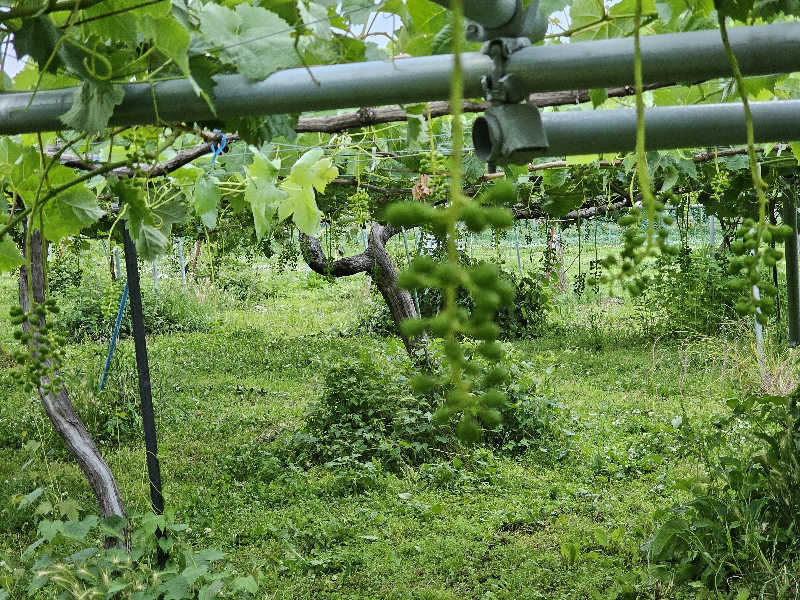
(434, 165)
(358, 206)
(747, 262)
(43, 349)
(473, 388)
(635, 249)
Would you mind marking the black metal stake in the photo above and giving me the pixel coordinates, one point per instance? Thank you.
(792, 275)
(145, 391)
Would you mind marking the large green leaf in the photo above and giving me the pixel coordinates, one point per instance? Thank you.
(205, 200)
(70, 212)
(169, 37)
(313, 170)
(92, 106)
(264, 199)
(10, 256)
(253, 39)
(315, 17)
(150, 242)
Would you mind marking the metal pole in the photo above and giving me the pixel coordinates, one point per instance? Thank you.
(408, 263)
(692, 56)
(516, 243)
(590, 132)
(181, 261)
(758, 329)
(492, 14)
(792, 275)
(145, 389)
(711, 241)
(117, 265)
(114, 335)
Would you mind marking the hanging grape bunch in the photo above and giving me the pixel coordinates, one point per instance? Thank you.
(358, 206)
(472, 387)
(747, 263)
(43, 348)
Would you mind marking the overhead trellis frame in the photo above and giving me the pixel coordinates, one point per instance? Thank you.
(690, 57)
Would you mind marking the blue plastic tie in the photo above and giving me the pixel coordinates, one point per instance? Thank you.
(114, 336)
(217, 150)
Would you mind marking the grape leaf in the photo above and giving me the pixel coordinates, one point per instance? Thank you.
(312, 170)
(169, 37)
(264, 168)
(206, 199)
(253, 39)
(300, 204)
(10, 256)
(70, 212)
(315, 17)
(264, 198)
(92, 106)
(358, 11)
(169, 213)
(598, 96)
(150, 242)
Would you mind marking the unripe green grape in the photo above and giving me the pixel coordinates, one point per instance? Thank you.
(424, 265)
(423, 384)
(442, 415)
(409, 280)
(458, 399)
(473, 217)
(499, 218)
(738, 284)
(449, 274)
(468, 429)
(440, 325)
(483, 275)
(495, 376)
(768, 289)
(490, 417)
(408, 214)
(501, 193)
(454, 352)
(488, 331)
(491, 350)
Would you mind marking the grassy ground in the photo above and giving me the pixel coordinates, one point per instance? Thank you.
(565, 522)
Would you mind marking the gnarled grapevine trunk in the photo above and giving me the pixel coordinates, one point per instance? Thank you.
(376, 262)
(59, 406)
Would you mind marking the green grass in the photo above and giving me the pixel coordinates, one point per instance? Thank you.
(550, 524)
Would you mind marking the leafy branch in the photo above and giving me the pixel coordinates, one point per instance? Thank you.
(27, 11)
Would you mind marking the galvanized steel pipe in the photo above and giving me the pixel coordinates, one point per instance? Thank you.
(686, 57)
(597, 131)
(491, 14)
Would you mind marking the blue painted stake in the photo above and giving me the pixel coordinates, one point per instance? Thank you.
(114, 336)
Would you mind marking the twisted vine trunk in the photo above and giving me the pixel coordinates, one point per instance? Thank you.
(59, 407)
(376, 262)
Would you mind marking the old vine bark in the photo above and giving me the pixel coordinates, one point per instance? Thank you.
(376, 262)
(59, 407)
